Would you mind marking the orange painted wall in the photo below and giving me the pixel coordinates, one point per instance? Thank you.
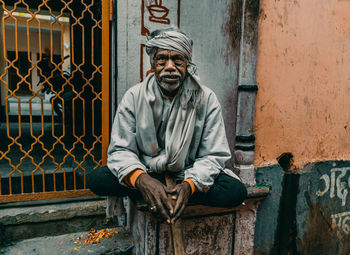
(303, 73)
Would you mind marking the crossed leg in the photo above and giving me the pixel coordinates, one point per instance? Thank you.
(225, 192)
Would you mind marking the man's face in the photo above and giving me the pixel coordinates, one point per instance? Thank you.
(169, 68)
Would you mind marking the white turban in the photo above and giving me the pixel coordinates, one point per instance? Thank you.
(176, 41)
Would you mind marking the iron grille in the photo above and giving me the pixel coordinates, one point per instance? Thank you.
(52, 85)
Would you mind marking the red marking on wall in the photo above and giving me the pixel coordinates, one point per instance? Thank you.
(144, 31)
(142, 46)
(178, 13)
(158, 13)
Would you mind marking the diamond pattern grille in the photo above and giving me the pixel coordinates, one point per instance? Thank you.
(51, 90)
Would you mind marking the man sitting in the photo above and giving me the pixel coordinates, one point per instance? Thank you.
(169, 124)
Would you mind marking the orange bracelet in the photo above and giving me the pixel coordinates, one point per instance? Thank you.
(191, 183)
(131, 178)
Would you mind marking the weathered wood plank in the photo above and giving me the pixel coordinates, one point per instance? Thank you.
(206, 235)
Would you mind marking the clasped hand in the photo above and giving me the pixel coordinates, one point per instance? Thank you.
(159, 197)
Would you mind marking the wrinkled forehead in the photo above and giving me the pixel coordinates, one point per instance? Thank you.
(169, 53)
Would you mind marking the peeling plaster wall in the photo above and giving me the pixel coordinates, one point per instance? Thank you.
(303, 102)
(303, 116)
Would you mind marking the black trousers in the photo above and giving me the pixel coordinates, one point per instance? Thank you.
(225, 192)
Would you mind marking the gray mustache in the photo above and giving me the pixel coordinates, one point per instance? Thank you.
(170, 74)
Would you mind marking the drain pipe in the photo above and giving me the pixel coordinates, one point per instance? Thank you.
(244, 144)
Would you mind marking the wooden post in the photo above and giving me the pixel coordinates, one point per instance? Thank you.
(176, 229)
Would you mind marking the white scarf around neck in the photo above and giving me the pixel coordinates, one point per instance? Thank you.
(180, 127)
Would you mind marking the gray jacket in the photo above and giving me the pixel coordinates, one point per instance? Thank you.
(208, 150)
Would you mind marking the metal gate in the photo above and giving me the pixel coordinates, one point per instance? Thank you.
(54, 96)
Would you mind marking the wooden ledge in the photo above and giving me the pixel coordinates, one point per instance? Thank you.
(254, 193)
(258, 192)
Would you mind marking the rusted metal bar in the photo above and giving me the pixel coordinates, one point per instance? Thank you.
(105, 79)
(45, 195)
(110, 10)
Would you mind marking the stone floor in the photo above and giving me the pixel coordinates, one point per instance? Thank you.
(67, 244)
(44, 228)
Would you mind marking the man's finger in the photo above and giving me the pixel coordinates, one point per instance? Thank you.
(178, 214)
(160, 199)
(146, 198)
(179, 202)
(172, 191)
(168, 205)
(152, 203)
(163, 212)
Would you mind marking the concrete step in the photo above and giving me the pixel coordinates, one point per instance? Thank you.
(119, 243)
(30, 221)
